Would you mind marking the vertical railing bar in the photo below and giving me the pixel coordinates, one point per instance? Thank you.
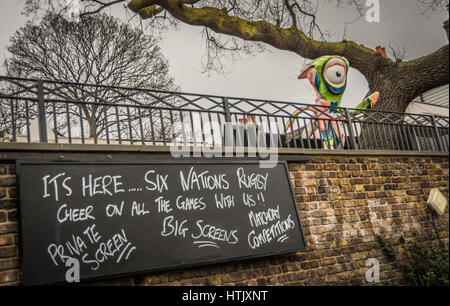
(357, 141)
(300, 132)
(94, 125)
(446, 139)
(69, 128)
(421, 139)
(27, 117)
(238, 139)
(334, 133)
(386, 139)
(345, 130)
(320, 135)
(350, 130)
(222, 137)
(118, 124)
(375, 136)
(374, 132)
(363, 134)
(396, 138)
(436, 130)
(401, 137)
(389, 140)
(152, 126)
(446, 146)
(13, 121)
(388, 133)
(372, 137)
(41, 112)
(424, 138)
(416, 137)
(211, 130)
(81, 124)
(162, 126)
(259, 130)
(307, 133)
(193, 130)
(380, 137)
(367, 137)
(410, 138)
(338, 123)
(433, 144)
(55, 129)
(226, 108)
(313, 133)
(201, 129)
(105, 113)
(427, 133)
(277, 125)
(285, 132)
(141, 127)
(270, 131)
(182, 128)
(130, 129)
(401, 129)
(172, 133)
(293, 131)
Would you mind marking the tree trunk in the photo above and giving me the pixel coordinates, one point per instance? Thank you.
(400, 82)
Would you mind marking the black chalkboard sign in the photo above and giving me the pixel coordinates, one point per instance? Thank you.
(118, 218)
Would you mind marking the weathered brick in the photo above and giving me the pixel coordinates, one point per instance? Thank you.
(9, 227)
(12, 215)
(7, 204)
(327, 261)
(290, 267)
(7, 180)
(2, 193)
(370, 187)
(310, 264)
(6, 240)
(8, 251)
(9, 276)
(271, 271)
(9, 263)
(12, 169)
(2, 216)
(12, 193)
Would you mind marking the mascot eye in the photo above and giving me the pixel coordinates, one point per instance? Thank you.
(335, 75)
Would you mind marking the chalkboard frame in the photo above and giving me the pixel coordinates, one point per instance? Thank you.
(21, 163)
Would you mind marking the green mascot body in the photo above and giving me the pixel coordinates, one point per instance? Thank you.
(328, 76)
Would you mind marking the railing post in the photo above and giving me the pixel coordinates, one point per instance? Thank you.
(436, 130)
(226, 109)
(13, 121)
(41, 113)
(228, 137)
(350, 130)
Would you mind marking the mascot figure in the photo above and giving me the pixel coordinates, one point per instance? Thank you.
(328, 77)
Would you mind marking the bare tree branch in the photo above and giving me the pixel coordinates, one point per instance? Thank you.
(96, 50)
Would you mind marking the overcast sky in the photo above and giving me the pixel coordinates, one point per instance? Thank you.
(273, 75)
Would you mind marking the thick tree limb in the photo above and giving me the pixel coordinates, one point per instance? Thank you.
(292, 39)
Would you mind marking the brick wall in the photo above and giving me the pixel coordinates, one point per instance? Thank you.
(343, 203)
(9, 261)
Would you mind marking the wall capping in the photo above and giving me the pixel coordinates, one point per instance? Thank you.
(7, 148)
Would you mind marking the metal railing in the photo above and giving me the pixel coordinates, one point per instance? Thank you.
(60, 112)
